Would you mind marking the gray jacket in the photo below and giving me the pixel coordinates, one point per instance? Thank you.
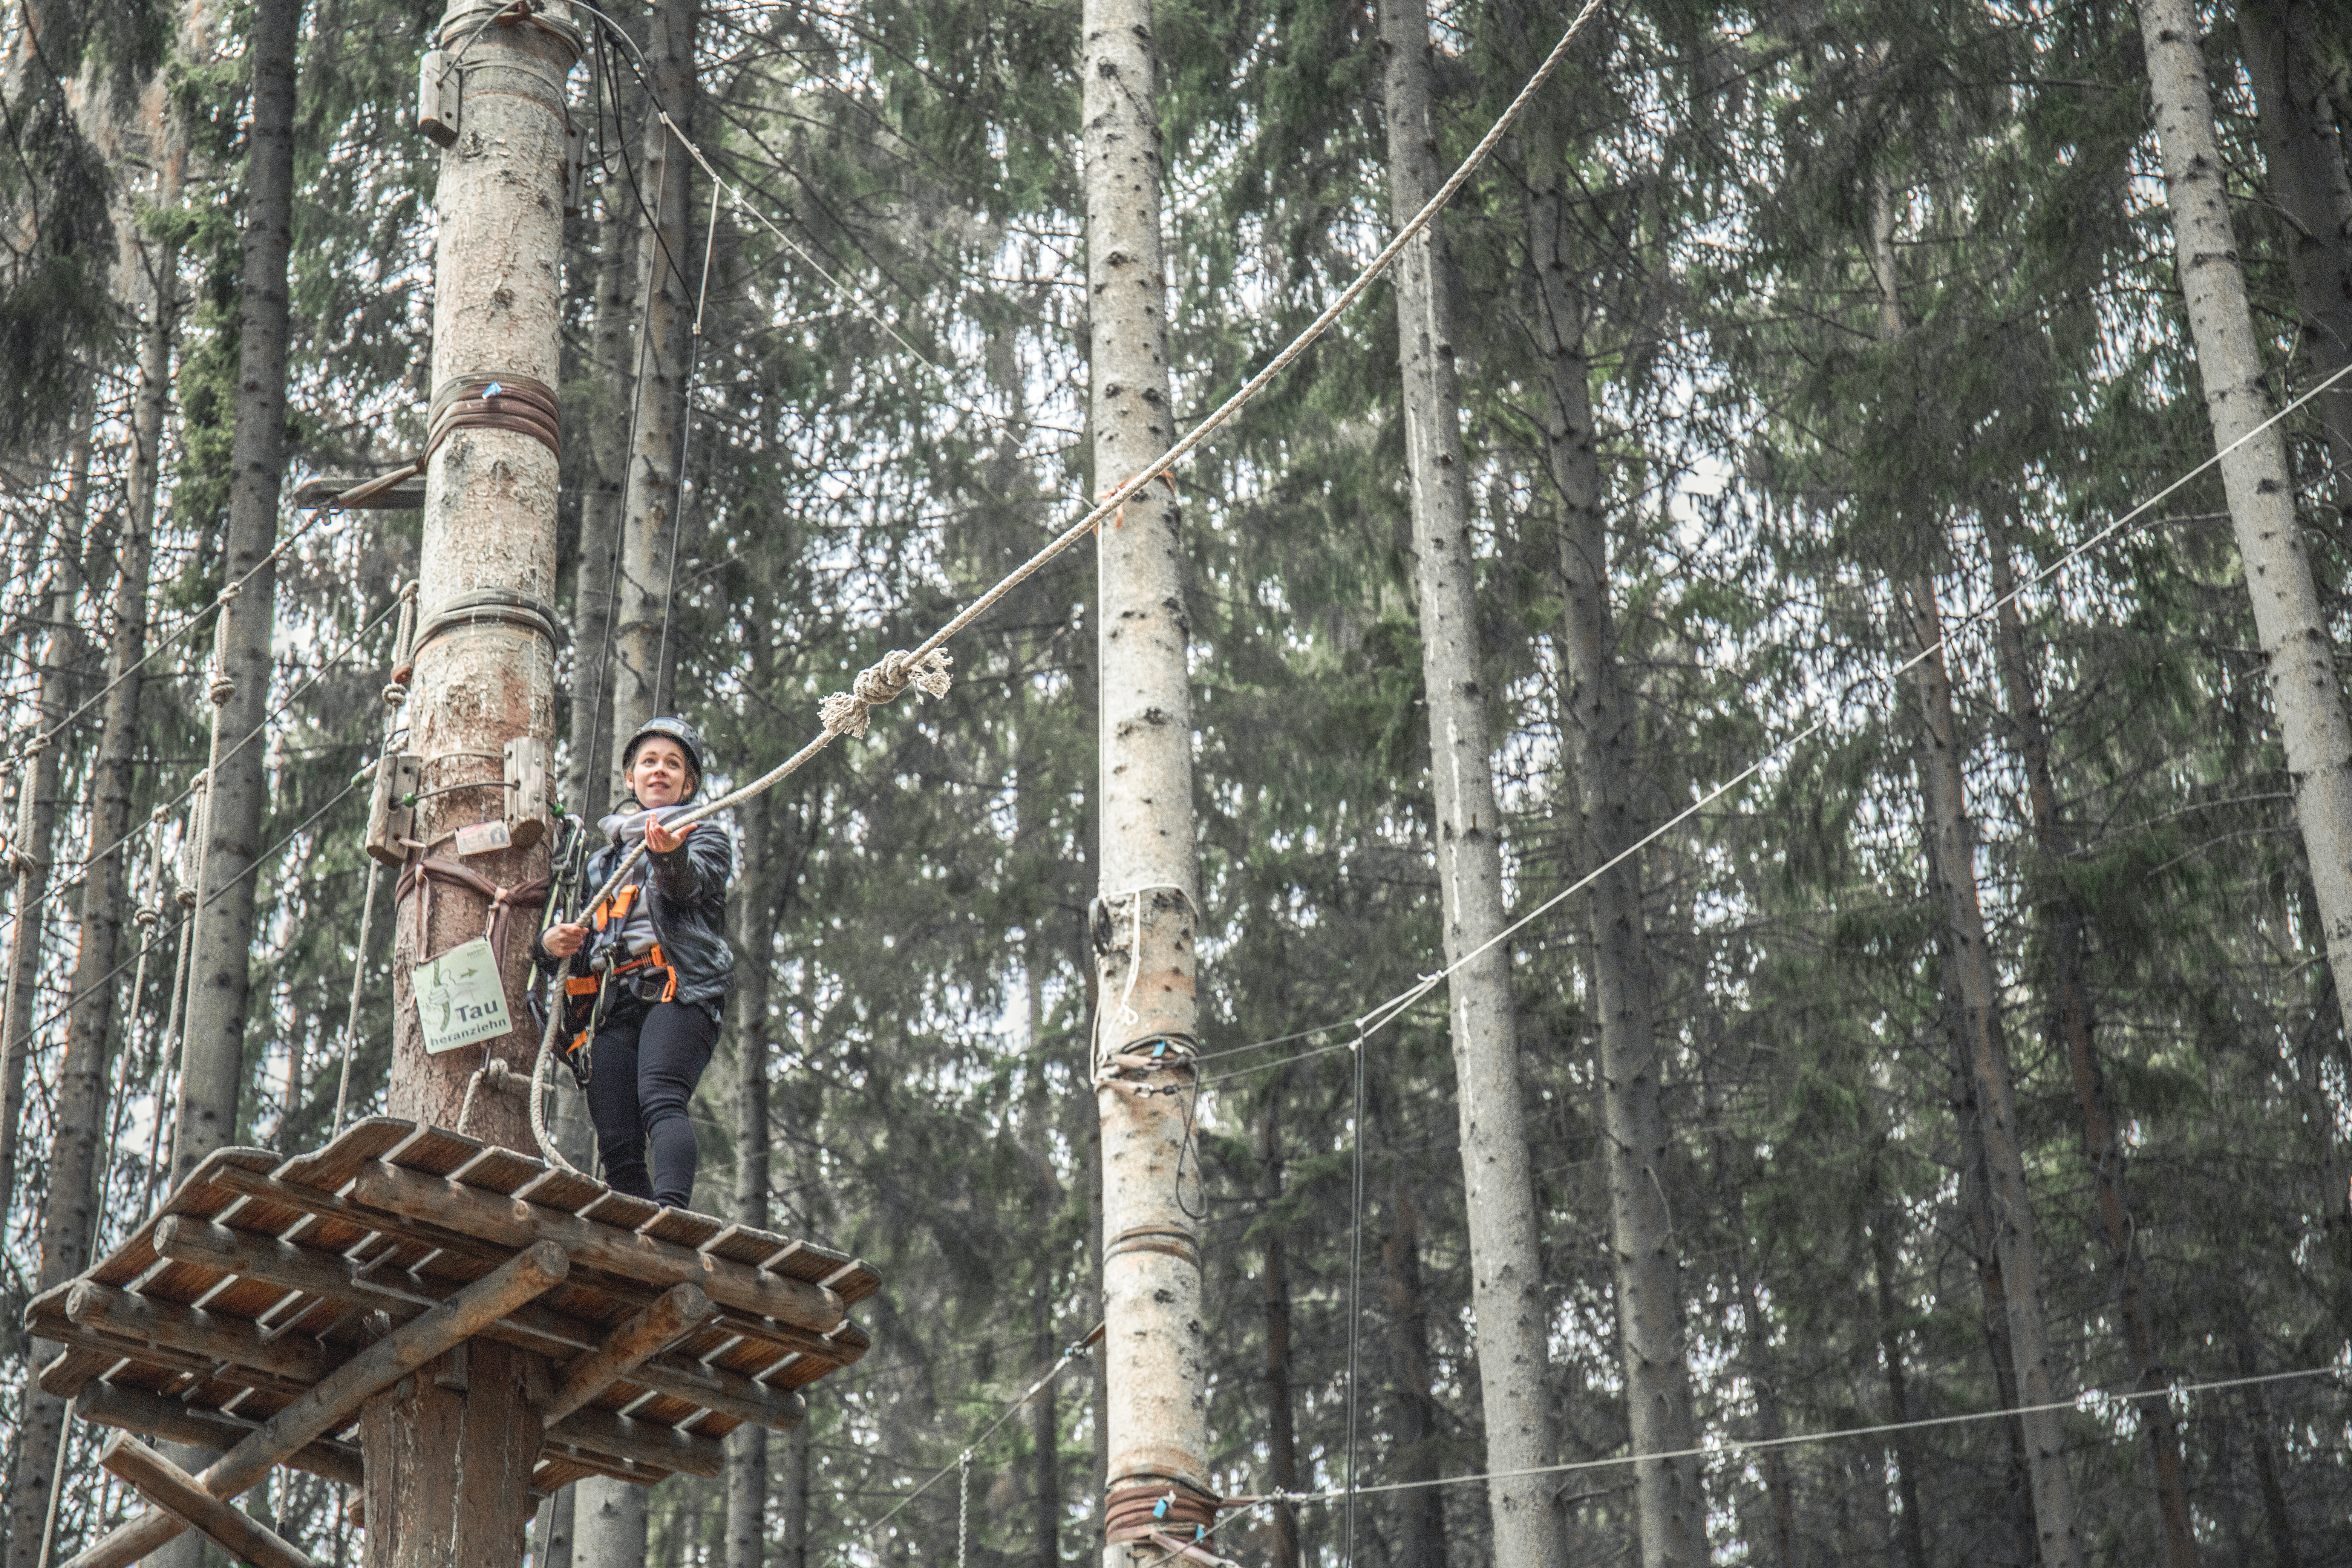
(685, 895)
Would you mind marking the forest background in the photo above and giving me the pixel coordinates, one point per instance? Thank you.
(1866, 296)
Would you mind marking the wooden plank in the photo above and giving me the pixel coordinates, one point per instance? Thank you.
(177, 1492)
(513, 1222)
(639, 1442)
(624, 1209)
(73, 1368)
(334, 1399)
(436, 1150)
(680, 1310)
(233, 1339)
(530, 1327)
(339, 1161)
(135, 1410)
(685, 1227)
(567, 1190)
(500, 1171)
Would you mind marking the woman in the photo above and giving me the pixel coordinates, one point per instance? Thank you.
(655, 955)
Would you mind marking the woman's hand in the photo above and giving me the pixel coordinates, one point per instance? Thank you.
(564, 941)
(661, 840)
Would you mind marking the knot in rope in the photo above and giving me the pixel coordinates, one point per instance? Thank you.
(221, 690)
(846, 713)
(149, 917)
(395, 694)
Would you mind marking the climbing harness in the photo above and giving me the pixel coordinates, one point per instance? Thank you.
(586, 996)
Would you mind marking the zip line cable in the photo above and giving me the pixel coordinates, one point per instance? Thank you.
(926, 666)
(1382, 1013)
(964, 1460)
(1734, 1448)
(227, 594)
(197, 782)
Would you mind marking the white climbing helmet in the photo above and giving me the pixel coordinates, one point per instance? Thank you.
(687, 737)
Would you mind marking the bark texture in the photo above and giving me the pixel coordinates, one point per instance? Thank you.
(649, 538)
(2305, 694)
(237, 803)
(1281, 1435)
(593, 613)
(2007, 1204)
(40, 1417)
(1506, 1281)
(1603, 755)
(2062, 924)
(1154, 1352)
(490, 527)
(32, 837)
(2306, 178)
(746, 1446)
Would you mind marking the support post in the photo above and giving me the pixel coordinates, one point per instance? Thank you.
(1146, 947)
(172, 1489)
(682, 1308)
(483, 674)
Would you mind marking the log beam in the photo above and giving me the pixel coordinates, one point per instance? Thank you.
(517, 1222)
(335, 1398)
(178, 1494)
(319, 1272)
(135, 1410)
(639, 1442)
(191, 1328)
(681, 1310)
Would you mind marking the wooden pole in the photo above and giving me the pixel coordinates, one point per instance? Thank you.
(682, 1308)
(175, 1491)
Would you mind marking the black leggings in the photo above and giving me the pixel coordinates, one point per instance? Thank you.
(643, 1067)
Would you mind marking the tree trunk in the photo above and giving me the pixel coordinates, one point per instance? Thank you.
(1420, 1540)
(237, 802)
(1602, 749)
(489, 526)
(2309, 182)
(1154, 1352)
(649, 536)
(1951, 864)
(1976, 1211)
(593, 610)
(2305, 695)
(2063, 922)
(1506, 1275)
(1281, 1438)
(1044, 1413)
(1911, 1529)
(746, 1446)
(796, 1500)
(32, 841)
(70, 1213)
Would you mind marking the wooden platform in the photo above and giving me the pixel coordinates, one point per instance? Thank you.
(259, 1277)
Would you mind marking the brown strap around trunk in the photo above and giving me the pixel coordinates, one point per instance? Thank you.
(518, 402)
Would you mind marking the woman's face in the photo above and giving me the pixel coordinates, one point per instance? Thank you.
(658, 773)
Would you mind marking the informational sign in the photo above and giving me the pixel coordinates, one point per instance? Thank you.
(481, 837)
(460, 1000)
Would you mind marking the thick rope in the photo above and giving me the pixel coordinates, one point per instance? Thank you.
(220, 601)
(927, 665)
